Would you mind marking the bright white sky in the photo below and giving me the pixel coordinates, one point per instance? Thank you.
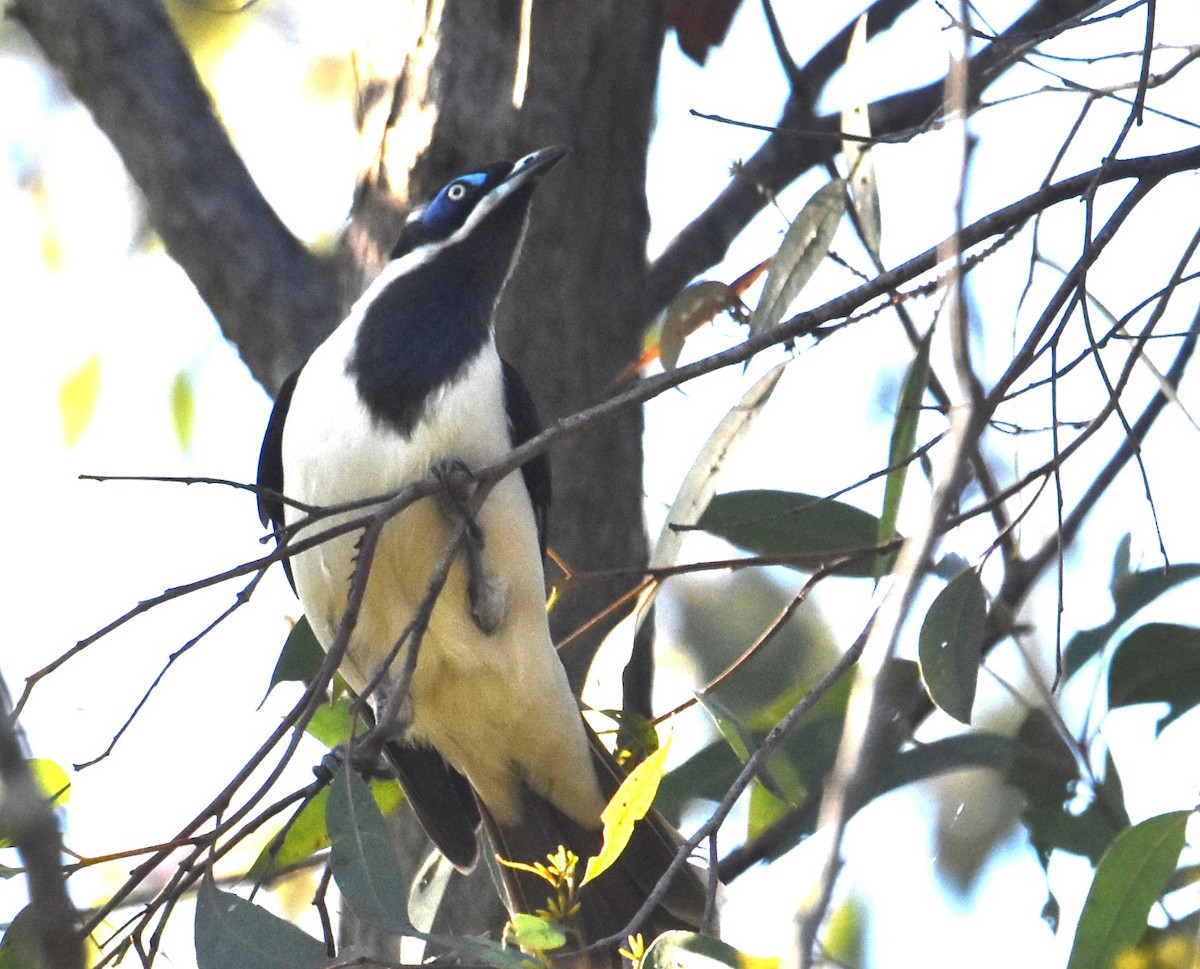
(80, 553)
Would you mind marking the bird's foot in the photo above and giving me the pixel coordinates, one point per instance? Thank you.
(486, 597)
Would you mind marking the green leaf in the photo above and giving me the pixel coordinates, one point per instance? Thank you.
(304, 836)
(964, 751)
(951, 642)
(805, 245)
(332, 723)
(1131, 592)
(301, 656)
(809, 530)
(362, 856)
(232, 933)
(183, 409)
(690, 950)
(536, 934)
(904, 438)
(1131, 876)
(1045, 770)
(1157, 663)
(636, 738)
(737, 735)
(765, 809)
(77, 396)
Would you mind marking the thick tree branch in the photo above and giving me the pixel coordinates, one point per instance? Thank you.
(274, 300)
(27, 818)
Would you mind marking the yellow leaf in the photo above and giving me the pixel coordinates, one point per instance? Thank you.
(52, 249)
(842, 938)
(208, 30)
(758, 962)
(53, 783)
(183, 409)
(77, 399)
(51, 780)
(628, 806)
(53, 255)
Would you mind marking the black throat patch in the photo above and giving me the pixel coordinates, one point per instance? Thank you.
(427, 325)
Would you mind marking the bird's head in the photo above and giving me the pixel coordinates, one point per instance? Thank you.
(492, 201)
(430, 312)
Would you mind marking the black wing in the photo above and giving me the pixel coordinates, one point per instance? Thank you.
(523, 424)
(270, 468)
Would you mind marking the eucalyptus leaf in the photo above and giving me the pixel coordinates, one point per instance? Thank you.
(1131, 592)
(20, 948)
(805, 245)
(1130, 878)
(300, 658)
(700, 483)
(362, 855)
(951, 642)
(303, 837)
(693, 307)
(806, 530)
(183, 409)
(856, 125)
(232, 933)
(1157, 663)
(904, 437)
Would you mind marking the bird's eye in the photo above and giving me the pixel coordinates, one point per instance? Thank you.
(456, 192)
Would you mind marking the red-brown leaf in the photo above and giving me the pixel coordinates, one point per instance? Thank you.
(701, 25)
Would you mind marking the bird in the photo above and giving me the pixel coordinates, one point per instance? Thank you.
(409, 387)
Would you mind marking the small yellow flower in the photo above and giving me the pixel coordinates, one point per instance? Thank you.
(636, 951)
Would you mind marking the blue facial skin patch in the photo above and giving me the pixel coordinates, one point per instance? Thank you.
(443, 207)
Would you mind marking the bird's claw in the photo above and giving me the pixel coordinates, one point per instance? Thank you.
(364, 759)
(455, 477)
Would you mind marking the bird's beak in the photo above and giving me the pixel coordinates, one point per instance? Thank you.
(534, 166)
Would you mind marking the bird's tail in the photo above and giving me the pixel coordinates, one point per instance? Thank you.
(609, 902)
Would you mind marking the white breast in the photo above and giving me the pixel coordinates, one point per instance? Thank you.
(497, 707)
